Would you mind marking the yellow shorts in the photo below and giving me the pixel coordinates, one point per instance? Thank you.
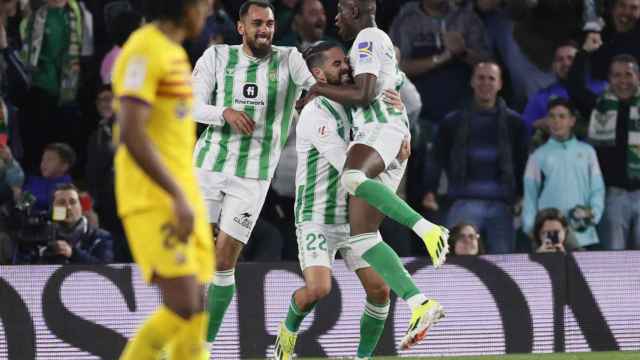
(157, 251)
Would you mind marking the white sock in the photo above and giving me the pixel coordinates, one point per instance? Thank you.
(225, 278)
(422, 227)
(416, 300)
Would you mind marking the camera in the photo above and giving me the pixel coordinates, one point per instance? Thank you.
(554, 236)
(31, 228)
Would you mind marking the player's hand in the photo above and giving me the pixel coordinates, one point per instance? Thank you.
(592, 42)
(454, 42)
(184, 218)
(393, 98)
(239, 121)
(405, 150)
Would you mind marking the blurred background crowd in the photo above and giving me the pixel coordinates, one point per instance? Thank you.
(535, 150)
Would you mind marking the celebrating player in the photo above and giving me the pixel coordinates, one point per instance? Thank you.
(380, 130)
(323, 134)
(158, 198)
(246, 94)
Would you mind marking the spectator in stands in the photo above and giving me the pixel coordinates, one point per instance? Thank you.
(551, 232)
(123, 24)
(535, 114)
(308, 26)
(218, 29)
(100, 177)
(11, 176)
(284, 13)
(614, 122)
(56, 36)
(483, 149)
(564, 174)
(76, 240)
(57, 161)
(439, 41)
(464, 239)
(14, 82)
(620, 36)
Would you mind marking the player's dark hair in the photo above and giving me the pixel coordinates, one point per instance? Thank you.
(172, 10)
(64, 151)
(244, 8)
(544, 215)
(314, 54)
(564, 103)
(122, 25)
(625, 59)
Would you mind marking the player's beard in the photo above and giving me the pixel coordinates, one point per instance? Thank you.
(339, 79)
(260, 47)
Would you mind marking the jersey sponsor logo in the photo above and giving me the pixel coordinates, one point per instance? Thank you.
(135, 73)
(365, 51)
(250, 91)
(249, 94)
(244, 220)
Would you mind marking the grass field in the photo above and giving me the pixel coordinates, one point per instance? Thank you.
(612, 355)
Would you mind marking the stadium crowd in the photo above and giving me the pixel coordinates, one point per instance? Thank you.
(525, 124)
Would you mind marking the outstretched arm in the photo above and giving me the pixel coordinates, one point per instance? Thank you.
(361, 93)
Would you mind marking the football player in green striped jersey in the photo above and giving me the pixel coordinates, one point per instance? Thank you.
(380, 130)
(322, 137)
(245, 94)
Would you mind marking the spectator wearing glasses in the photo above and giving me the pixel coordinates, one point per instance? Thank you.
(465, 240)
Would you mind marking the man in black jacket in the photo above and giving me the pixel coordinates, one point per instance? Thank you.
(76, 241)
(483, 150)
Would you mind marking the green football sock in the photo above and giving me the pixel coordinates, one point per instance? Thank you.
(387, 264)
(387, 202)
(219, 300)
(295, 316)
(371, 327)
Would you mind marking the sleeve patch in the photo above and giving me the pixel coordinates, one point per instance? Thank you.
(135, 73)
(365, 51)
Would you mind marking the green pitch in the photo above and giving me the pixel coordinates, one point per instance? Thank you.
(611, 355)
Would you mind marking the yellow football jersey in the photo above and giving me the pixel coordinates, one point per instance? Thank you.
(155, 70)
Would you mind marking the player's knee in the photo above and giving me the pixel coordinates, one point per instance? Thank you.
(225, 263)
(319, 290)
(351, 179)
(378, 293)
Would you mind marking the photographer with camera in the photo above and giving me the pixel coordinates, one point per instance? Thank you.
(70, 238)
(551, 232)
(564, 173)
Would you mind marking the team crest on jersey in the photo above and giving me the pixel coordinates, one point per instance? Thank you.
(323, 131)
(182, 109)
(365, 51)
(273, 75)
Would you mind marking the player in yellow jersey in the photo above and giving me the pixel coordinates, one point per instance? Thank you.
(156, 188)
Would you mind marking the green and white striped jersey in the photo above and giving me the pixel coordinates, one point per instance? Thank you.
(373, 53)
(322, 136)
(265, 89)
